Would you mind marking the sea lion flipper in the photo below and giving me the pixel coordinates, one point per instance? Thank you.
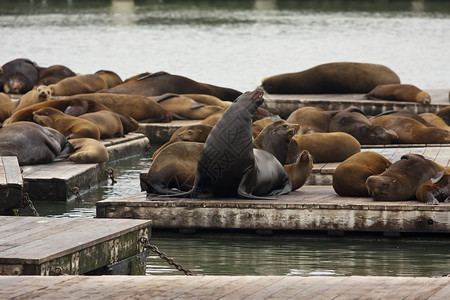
(246, 186)
(196, 104)
(165, 97)
(438, 176)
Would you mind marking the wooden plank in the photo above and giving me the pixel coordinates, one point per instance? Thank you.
(12, 169)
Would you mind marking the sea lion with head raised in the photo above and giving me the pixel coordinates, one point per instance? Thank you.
(349, 177)
(331, 78)
(399, 92)
(229, 166)
(435, 190)
(40, 94)
(401, 180)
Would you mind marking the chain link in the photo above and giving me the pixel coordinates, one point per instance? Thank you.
(110, 172)
(76, 191)
(169, 260)
(26, 201)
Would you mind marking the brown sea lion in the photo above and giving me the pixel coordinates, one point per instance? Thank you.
(40, 94)
(79, 84)
(6, 110)
(208, 100)
(410, 131)
(161, 83)
(349, 177)
(404, 113)
(354, 122)
(435, 190)
(331, 78)
(32, 143)
(435, 120)
(108, 122)
(140, 108)
(136, 77)
(300, 170)
(311, 119)
(328, 146)
(69, 126)
(186, 108)
(401, 180)
(54, 74)
(19, 76)
(4, 98)
(88, 151)
(444, 114)
(400, 92)
(229, 165)
(259, 125)
(111, 78)
(214, 118)
(189, 133)
(128, 123)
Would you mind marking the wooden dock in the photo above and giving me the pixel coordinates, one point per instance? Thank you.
(223, 287)
(11, 184)
(56, 246)
(58, 181)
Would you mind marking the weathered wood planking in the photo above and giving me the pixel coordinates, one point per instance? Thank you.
(55, 181)
(46, 246)
(308, 208)
(224, 287)
(11, 183)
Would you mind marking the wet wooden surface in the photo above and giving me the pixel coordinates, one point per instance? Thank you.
(11, 183)
(223, 287)
(43, 246)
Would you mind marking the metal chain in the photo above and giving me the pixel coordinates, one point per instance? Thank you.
(26, 201)
(170, 261)
(76, 191)
(110, 172)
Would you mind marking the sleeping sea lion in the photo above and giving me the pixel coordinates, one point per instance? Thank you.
(399, 92)
(19, 76)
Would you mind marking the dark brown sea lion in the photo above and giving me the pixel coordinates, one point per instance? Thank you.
(19, 76)
(136, 77)
(189, 133)
(410, 131)
(444, 114)
(69, 126)
(328, 146)
(32, 143)
(88, 151)
(349, 177)
(186, 108)
(4, 98)
(435, 190)
(311, 119)
(161, 83)
(401, 180)
(435, 120)
(354, 122)
(229, 166)
(331, 78)
(111, 78)
(40, 94)
(400, 92)
(79, 84)
(108, 122)
(54, 74)
(140, 108)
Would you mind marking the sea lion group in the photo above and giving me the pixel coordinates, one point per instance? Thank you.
(239, 149)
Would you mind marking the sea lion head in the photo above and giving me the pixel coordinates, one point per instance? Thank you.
(44, 92)
(252, 99)
(423, 97)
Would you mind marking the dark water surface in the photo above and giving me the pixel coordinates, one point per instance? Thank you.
(236, 44)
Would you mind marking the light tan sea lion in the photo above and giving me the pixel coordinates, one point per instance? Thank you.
(349, 177)
(69, 126)
(79, 84)
(4, 98)
(40, 94)
(108, 122)
(311, 119)
(435, 120)
(208, 100)
(88, 151)
(400, 92)
(259, 125)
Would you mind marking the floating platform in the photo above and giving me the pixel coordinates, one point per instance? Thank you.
(312, 208)
(11, 183)
(59, 181)
(57, 246)
(224, 287)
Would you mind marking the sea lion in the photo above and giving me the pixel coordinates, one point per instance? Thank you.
(183, 107)
(259, 125)
(229, 166)
(173, 168)
(188, 133)
(300, 170)
(40, 94)
(401, 180)
(19, 76)
(54, 74)
(208, 100)
(69, 126)
(6, 110)
(137, 76)
(128, 123)
(140, 108)
(328, 146)
(88, 151)
(349, 177)
(435, 120)
(111, 78)
(4, 98)
(214, 118)
(161, 83)
(399, 92)
(444, 114)
(331, 78)
(435, 190)
(108, 122)
(410, 131)
(354, 122)
(79, 84)
(311, 119)
(32, 143)
(404, 113)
